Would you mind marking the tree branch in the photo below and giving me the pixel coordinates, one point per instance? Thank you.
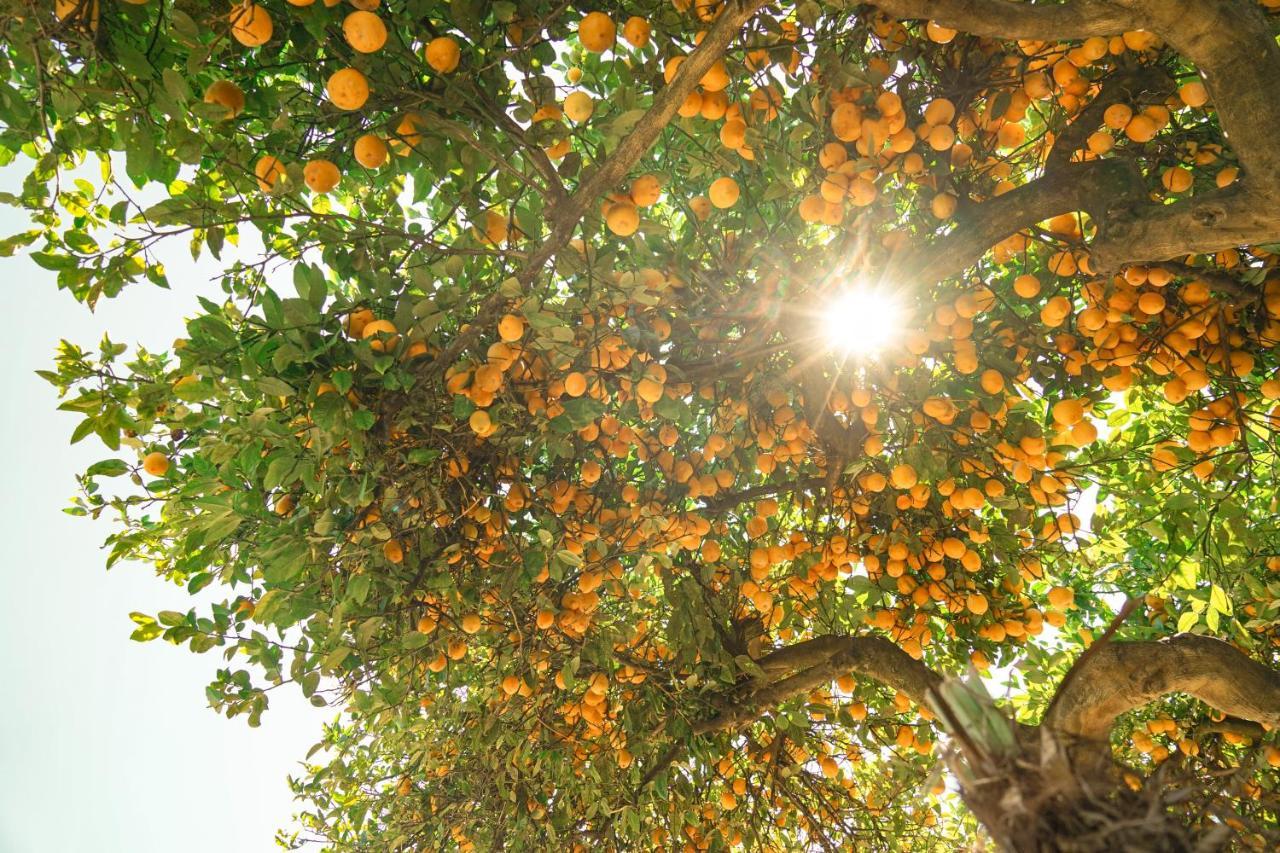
(818, 661)
(1124, 676)
(1004, 19)
(1227, 218)
(1096, 186)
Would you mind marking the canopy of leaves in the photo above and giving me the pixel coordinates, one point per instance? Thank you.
(526, 475)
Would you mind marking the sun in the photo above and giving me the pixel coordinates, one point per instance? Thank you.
(862, 320)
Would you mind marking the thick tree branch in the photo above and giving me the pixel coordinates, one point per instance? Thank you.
(1006, 19)
(1124, 676)
(1232, 43)
(1235, 216)
(1096, 186)
(819, 661)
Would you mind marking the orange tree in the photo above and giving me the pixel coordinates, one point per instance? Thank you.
(550, 469)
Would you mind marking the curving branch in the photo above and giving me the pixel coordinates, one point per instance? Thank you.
(1007, 19)
(1231, 43)
(1100, 187)
(1127, 675)
(799, 668)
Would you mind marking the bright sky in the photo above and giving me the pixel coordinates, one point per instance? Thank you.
(107, 744)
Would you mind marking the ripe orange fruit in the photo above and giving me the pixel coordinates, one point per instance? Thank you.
(511, 328)
(636, 31)
(1068, 412)
(646, 190)
(903, 476)
(649, 390)
(471, 623)
(943, 205)
(321, 176)
(426, 625)
(408, 134)
(268, 171)
(370, 151)
(156, 464)
(597, 32)
(443, 54)
(393, 551)
(225, 94)
(251, 25)
(622, 218)
(381, 335)
(1026, 286)
(724, 192)
(480, 422)
(1176, 179)
(1141, 128)
(364, 31)
(1062, 597)
(348, 89)
(284, 505)
(578, 107)
(575, 384)
(1193, 94)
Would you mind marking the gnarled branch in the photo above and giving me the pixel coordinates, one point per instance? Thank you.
(1128, 675)
(818, 661)
(1097, 186)
(1006, 19)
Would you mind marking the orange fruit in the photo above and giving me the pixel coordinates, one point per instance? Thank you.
(393, 551)
(724, 192)
(1062, 597)
(636, 31)
(471, 623)
(597, 32)
(251, 25)
(268, 171)
(480, 422)
(348, 89)
(575, 384)
(381, 335)
(364, 31)
(622, 218)
(1068, 412)
(578, 107)
(646, 190)
(225, 94)
(511, 328)
(156, 464)
(1027, 286)
(1193, 94)
(443, 54)
(408, 134)
(321, 176)
(370, 151)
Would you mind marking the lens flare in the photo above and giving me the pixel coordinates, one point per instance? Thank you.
(862, 321)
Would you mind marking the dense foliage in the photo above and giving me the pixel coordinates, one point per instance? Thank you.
(524, 475)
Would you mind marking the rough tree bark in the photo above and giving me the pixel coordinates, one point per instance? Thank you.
(1026, 800)
(1229, 41)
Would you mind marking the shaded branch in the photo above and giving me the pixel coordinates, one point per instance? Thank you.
(1128, 675)
(1097, 186)
(1006, 19)
(819, 661)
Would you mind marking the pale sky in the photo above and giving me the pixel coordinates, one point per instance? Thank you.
(106, 744)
